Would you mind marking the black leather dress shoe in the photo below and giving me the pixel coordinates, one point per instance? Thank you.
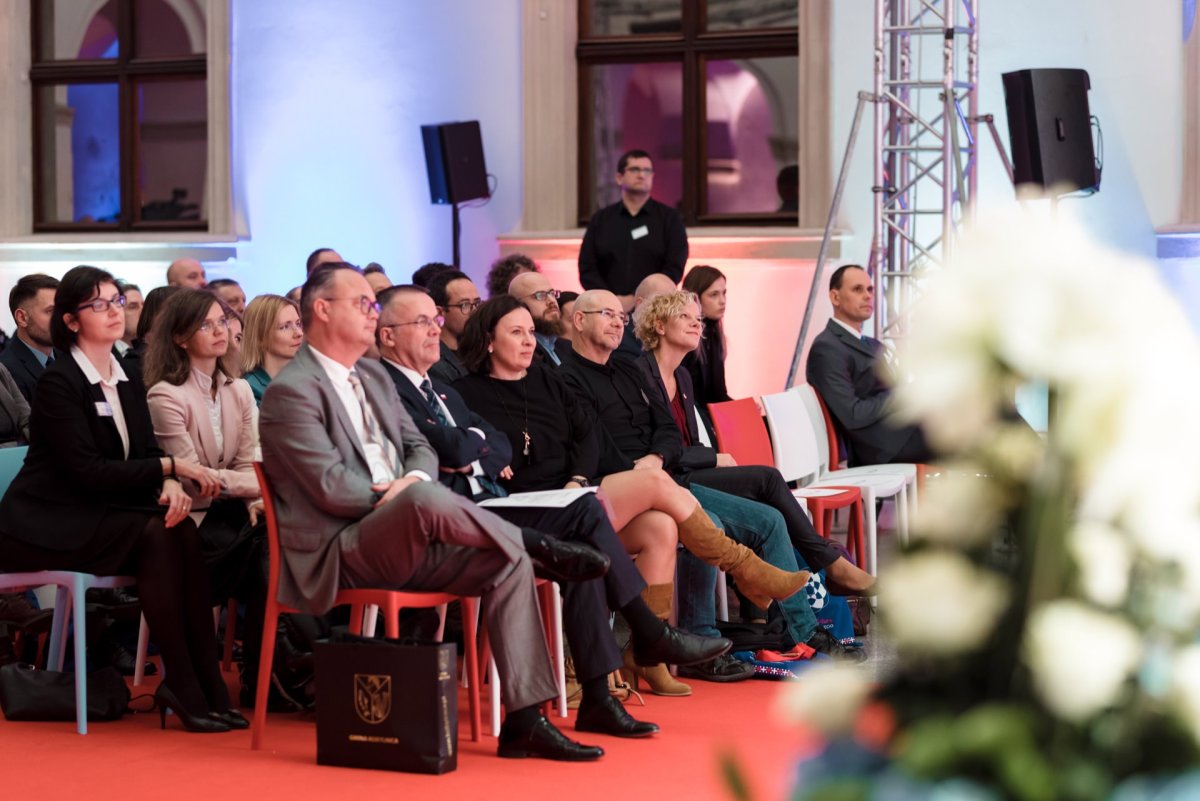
(560, 560)
(543, 740)
(678, 647)
(609, 717)
(16, 609)
(824, 643)
(723, 669)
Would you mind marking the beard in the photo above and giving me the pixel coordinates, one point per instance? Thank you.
(549, 328)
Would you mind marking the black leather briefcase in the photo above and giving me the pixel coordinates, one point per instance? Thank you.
(386, 705)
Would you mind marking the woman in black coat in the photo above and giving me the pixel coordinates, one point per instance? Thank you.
(91, 493)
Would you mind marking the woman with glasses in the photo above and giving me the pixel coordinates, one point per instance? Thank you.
(273, 335)
(555, 445)
(203, 414)
(92, 492)
(670, 327)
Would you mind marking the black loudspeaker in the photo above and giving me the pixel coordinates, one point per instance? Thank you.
(1050, 129)
(454, 159)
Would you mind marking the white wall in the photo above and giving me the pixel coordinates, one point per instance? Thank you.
(328, 103)
(1134, 55)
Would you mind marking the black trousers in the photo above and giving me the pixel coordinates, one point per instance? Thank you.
(586, 603)
(766, 485)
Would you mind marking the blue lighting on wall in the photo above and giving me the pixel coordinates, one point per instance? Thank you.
(95, 149)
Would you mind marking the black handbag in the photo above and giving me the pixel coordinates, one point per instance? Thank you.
(387, 705)
(29, 694)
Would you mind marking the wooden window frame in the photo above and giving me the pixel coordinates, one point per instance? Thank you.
(692, 47)
(127, 72)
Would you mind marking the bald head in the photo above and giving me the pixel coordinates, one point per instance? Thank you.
(599, 323)
(652, 286)
(534, 291)
(524, 284)
(186, 273)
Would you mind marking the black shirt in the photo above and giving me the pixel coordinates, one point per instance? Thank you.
(562, 442)
(706, 365)
(611, 258)
(448, 368)
(634, 422)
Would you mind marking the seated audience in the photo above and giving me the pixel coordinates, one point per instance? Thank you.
(706, 364)
(376, 277)
(14, 412)
(273, 335)
(845, 367)
(359, 508)
(636, 428)
(566, 304)
(317, 258)
(293, 294)
(230, 292)
(91, 493)
(425, 273)
(232, 360)
(554, 446)
(505, 269)
(651, 286)
(456, 297)
(534, 292)
(203, 414)
(187, 273)
(472, 457)
(133, 310)
(669, 327)
(31, 350)
(155, 300)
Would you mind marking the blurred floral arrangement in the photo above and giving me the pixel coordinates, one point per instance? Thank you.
(1046, 614)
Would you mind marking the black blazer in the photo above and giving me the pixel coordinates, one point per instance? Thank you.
(694, 456)
(456, 446)
(24, 366)
(76, 469)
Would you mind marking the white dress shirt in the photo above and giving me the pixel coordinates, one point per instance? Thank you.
(109, 388)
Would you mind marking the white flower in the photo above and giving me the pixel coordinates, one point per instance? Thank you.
(1079, 657)
(1104, 559)
(937, 602)
(1185, 686)
(959, 507)
(826, 698)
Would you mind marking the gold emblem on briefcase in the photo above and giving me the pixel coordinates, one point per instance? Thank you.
(372, 697)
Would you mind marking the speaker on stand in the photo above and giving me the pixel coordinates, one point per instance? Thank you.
(457, 172)
(1050, 129)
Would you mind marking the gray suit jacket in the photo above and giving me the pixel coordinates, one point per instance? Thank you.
(844, 369)
(318, 470)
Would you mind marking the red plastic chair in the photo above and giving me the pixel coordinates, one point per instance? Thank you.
(742, 434)
(389, 601)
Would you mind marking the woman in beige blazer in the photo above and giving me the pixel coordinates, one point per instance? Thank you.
(202, 414)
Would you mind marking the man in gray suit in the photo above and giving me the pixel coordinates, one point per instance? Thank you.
(359, 506)
(844, 367)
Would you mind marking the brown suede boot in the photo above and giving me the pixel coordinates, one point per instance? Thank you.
(660, 598)
(758, 581)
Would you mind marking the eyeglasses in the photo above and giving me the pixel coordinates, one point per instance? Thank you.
(100, 305)
(292, 325)
(543, 295)
(209, 325)
(365, 304)
(610, 315)
(639, 170)
(464, 306)
(421, 322)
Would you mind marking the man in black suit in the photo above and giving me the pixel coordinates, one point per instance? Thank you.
(844, 366)
(30, 352)
(472, 454)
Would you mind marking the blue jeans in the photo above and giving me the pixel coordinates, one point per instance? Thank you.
(761, 529)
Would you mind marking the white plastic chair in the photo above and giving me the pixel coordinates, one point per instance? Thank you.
(557, 653)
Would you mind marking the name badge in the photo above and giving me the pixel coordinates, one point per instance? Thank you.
(639, 232)
(103, 409)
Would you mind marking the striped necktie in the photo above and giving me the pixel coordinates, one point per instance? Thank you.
(485, 483)
(371, 426)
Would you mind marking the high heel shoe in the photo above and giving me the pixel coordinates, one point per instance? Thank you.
(760, 582)
(231, 718)
(165, 699)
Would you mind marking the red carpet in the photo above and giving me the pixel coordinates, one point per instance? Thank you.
(131, 759)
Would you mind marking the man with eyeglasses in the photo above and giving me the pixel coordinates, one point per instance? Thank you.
(455, 295)
(359, 506)
(533, 290)
(634, 237)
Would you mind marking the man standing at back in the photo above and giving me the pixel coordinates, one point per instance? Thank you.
(843, 366)
(358, 506)
(30, 352)
(634, 237)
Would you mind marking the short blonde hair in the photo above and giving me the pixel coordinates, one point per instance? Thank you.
(257, 327)
(659, 309)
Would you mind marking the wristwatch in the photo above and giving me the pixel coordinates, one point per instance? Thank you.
(581, 481)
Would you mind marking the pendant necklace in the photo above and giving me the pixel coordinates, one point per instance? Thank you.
(525, 430)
